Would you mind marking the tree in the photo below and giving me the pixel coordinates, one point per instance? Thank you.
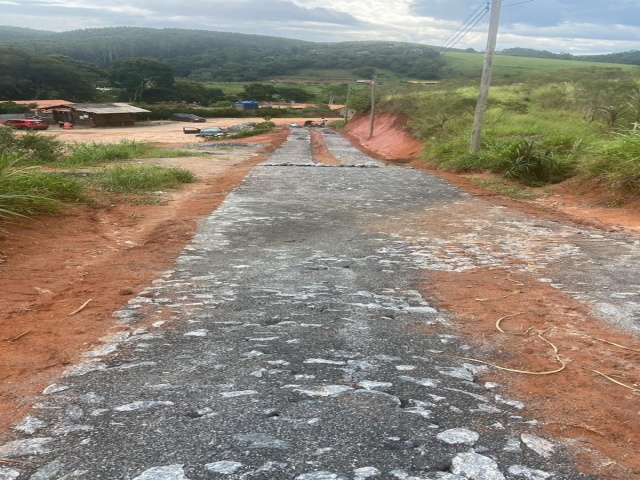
(26, 76)
(10, 107)
(259, 91)
(138, 74)
(295, 94)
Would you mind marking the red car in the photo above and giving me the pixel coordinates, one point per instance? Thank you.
(26, 124)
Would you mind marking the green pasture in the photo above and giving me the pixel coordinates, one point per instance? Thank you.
(465, 65)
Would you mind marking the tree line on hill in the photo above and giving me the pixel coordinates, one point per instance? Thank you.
(206, 56)
(164, 65)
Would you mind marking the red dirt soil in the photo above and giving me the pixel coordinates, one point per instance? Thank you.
(53, 265)
(598, 419)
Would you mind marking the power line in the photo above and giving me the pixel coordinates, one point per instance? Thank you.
(476, 17)
(467, 25)
(469, 28)
(519, 3)
(462, 26)
(452, 44)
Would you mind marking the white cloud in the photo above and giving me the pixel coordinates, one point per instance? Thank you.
(577, 26)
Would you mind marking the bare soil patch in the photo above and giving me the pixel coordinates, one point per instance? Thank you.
(53, 265)
(106, 254)
(597, 418)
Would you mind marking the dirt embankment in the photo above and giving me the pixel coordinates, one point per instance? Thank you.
(577, 200)
(593, 415)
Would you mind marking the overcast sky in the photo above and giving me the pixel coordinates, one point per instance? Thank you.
(574, 26)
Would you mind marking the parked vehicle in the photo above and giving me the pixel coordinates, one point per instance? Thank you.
(211, 132)
(186, 117)
(25, 124)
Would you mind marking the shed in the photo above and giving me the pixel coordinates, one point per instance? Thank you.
(247, 105)
(103, 114)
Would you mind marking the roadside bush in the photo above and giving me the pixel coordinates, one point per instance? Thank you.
(39, 149)
(52, 186)
(142, 178)
(25, 191)
(532, 164)
(86, 154)
(31, 148)
(617, 162)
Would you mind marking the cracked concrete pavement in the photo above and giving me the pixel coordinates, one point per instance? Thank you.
(281, 344)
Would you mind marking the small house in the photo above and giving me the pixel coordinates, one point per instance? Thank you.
(100, 114)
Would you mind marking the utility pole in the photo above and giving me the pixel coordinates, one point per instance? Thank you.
(486, 76)
(373, 106)
(346, 106)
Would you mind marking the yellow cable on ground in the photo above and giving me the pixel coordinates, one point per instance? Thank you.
(633, 389)
(618, 345)
(555, 350)
(509, 316)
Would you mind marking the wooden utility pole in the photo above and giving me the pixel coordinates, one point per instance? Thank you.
(486, 76)
(346, 106)
(373, 106)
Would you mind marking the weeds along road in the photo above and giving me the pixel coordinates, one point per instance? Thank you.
(291, 340)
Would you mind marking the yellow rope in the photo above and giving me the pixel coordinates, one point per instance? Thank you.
(555, 351)
(633, 389)
(617, 345)
(509, 316)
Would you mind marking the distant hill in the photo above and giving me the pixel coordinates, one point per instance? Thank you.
(209, 56)
(18, 34)
(221, 56)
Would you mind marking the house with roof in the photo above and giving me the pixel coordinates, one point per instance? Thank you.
(86, 114)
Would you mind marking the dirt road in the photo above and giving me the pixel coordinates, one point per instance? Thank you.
(482, 277)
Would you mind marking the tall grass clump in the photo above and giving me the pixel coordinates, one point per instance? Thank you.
(142, 178)
(617, 162)
(26, 191)
(88, 154)
(520, 140)
(32, 148)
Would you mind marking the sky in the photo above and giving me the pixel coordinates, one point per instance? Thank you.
(580, 27)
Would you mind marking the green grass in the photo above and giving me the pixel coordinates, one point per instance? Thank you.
(31, 148)
(616, 161)
(88, 154)
(142, 178)
(27, 191)
(467, 65)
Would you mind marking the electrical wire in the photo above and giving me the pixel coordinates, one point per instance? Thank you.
(467, 29)
(519, 3)
(462, 26)
(476, 17)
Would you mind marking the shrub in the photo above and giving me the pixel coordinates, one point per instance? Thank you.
(617, 161)
(142, 178)
(86, 154)
(530, 164)
(31, 148)
(25, 191)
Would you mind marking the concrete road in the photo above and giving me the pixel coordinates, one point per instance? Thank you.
(283, 345)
